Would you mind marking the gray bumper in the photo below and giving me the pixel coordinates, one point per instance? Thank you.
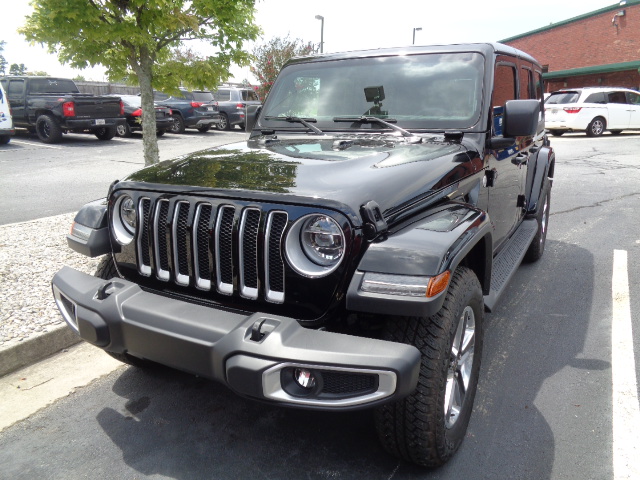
(254, 354)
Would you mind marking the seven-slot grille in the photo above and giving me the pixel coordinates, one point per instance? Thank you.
(194, 243)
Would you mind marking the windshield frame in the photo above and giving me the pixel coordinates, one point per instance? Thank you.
(414, 70)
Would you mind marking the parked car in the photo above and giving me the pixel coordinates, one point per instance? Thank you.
(51, 106)
(343, 256)
(6, 122)
(191, 109)
(133, 114)
(592, 110)
(232, 102)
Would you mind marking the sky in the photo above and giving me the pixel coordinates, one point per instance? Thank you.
(348, 25)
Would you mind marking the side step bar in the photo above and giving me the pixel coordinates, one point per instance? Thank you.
(508, 260)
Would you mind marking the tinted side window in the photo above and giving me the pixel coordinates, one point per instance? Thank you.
(504, 87)
(563, 97)
(633, 98)
(202, 96)
(539, 87)
(250, 95)
(16, 87)
(617, 97)
(223, 95)
(595, 98)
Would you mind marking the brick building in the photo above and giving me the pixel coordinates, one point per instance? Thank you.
(600, 48)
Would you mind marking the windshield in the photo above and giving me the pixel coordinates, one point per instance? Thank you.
(432, 91)
(562, 97)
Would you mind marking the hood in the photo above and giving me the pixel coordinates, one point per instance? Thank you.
(349, 170)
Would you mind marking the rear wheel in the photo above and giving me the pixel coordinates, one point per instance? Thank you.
(428, 426)
(105, 133)
(204, 128)
(160, 132)
(4, 139)
(123, 130)
(556, 133)
(178, 125)
(107, 270)
(48, 129)
(224, 122)
(596, 127)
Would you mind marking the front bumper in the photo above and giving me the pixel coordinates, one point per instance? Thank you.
(254, 354)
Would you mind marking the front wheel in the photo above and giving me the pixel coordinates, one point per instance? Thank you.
(615, 132)
(123, 130)
(556, 133)
(4, 139)
(429, 425)
(596, 127)
(105, 133)
(204, 128)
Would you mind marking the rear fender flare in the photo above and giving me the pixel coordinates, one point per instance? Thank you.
(543, 167)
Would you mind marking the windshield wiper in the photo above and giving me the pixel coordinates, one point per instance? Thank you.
(369, 119)
(303, 121)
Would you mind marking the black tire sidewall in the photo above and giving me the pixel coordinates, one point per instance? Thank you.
(590, 131)
(49, 122)
(178, 125)
(224, 122)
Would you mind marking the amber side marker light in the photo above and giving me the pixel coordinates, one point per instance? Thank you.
(438, 284)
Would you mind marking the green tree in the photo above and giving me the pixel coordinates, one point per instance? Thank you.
(270, 57)
(16, 69)
(145, 40)
(37, 73)
(3, 61)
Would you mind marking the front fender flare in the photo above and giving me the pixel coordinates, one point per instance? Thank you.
(428, 247)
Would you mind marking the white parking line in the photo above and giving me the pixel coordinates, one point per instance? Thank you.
(626, 411)
(20, 142)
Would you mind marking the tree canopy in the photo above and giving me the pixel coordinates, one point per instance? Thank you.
(270, 57)
(148, 40)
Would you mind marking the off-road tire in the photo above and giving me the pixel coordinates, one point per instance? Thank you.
(596, 127)
(224, 122)
(417, 429)
(105, 133)
(107, 270)
(178, 125)
(48, 129)
(536, 248)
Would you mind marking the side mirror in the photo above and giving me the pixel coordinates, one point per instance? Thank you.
(521, 118)
(251, 115)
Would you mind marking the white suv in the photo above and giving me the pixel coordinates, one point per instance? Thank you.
(592, 110)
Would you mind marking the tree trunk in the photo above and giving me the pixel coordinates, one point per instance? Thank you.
(149, 139)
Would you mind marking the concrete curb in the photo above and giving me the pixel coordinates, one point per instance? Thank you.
(35, 349)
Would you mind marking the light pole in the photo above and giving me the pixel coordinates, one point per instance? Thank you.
(417, 29)
(321, 18)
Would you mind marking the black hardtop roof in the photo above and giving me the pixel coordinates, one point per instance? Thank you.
(486, 49)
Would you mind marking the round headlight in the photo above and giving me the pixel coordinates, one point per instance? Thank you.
(322, 240)
(315, 245)
(128, 214)
(124, 219)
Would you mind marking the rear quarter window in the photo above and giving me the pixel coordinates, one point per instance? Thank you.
(250, 95)
(596, 98)
(203, 96)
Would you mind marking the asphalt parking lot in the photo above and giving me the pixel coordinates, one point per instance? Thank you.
(557, 385)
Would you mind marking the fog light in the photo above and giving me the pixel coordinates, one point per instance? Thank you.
(304, 378)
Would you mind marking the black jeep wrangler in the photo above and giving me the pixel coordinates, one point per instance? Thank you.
(342, 257)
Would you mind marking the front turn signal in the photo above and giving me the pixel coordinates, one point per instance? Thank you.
(438, 284)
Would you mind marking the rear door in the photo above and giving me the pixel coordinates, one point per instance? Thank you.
(633, 102)
(619, 111)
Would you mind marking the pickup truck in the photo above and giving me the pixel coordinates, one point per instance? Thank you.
(51, 106)
(344, 255)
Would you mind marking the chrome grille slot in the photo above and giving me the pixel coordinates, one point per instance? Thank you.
(160, 235)
(144, 258)
(180, 243)
(224, 249)
(201, 240)
(249, 225)
(274, 270)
